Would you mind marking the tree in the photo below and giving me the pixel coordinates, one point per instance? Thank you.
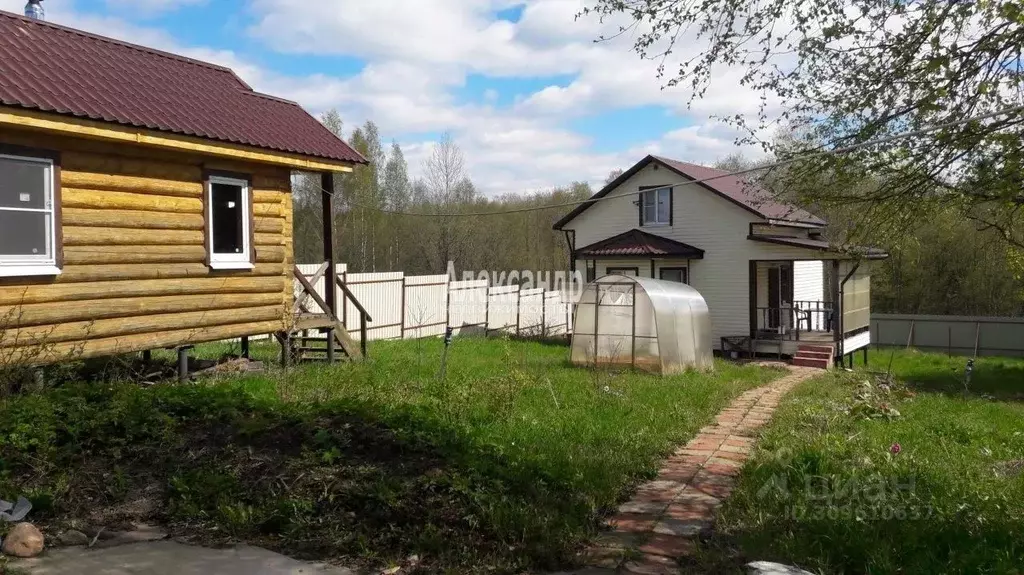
(362, 199)
(847, 72)
(448, 188)
(397, 196)
(612, 175)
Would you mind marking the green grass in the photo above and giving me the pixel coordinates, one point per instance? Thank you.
(825, 492)
(506, 464)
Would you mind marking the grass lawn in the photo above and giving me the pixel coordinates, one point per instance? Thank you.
(504, 465)
(826, 492)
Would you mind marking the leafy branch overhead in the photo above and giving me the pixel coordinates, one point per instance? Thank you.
(840, 72)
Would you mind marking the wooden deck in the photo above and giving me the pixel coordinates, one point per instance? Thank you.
(790, 347)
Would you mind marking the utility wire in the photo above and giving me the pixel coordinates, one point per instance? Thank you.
(775, 164)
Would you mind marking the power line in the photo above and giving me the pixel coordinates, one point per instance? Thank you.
(775, 164)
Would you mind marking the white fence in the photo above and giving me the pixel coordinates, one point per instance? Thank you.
(409, 307)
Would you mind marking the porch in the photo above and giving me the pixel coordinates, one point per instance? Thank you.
(800, 305)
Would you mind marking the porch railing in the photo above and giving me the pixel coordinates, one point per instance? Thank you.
(788, 322)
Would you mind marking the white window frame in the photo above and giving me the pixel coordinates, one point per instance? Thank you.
(656, 192)
(35, 265)
(239, 261)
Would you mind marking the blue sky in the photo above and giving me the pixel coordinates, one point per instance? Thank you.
(522, 88)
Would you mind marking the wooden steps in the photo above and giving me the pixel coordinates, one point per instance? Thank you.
(818, 356)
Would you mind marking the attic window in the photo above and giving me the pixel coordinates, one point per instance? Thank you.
(229, 223)
(656, 207)
(29, 238)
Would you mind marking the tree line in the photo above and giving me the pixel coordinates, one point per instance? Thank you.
(385, 220)
(944, 263)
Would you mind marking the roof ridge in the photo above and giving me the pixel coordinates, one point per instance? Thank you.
(273, 98)
(685, 163)
(115, 41)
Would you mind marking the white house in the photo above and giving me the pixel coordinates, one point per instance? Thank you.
(772, 283)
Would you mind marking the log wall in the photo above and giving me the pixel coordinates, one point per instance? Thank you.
(134, 276)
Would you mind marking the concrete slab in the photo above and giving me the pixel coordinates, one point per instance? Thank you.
(170, 558)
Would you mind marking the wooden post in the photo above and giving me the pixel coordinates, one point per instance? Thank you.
(910, 338)
(949, 341)
(245, 346)
(327, 197)
(866, 355)
(363, 334)
(147, 356)
(330, 344)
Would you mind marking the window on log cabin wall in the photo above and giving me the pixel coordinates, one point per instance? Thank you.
(29, 235)
(229, 217)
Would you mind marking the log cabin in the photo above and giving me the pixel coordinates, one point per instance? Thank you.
(145, 199)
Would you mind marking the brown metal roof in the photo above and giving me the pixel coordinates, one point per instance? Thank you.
(638, 243)
(822, 245)
(57, 69)
(748, 196)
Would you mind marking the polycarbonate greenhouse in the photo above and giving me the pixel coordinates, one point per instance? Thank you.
(655, 325)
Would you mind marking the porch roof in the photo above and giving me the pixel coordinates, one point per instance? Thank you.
(638, 243)
(822, 246)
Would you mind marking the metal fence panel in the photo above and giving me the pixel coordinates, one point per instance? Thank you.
(960, 335)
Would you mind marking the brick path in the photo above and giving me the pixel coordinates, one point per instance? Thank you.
(658, 526)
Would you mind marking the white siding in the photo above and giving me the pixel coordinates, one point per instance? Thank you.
(702, 219)
(855, 342)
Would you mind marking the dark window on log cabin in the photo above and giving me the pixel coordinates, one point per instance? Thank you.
(229, 222)
(28, 234)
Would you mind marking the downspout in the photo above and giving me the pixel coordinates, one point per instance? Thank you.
(839, 319)
(571, 242)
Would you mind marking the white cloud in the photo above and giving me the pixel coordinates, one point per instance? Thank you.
(419, 54)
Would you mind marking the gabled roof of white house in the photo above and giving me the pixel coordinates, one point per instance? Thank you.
(746, 195)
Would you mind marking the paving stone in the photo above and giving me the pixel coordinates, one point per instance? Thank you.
(651, 565)
(744, 451)
(719, 460)
(668, 545)
(652, 508)
(727, 470)
(686, 527)
(632, 522)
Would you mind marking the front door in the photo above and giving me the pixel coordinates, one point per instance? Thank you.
(780, 293)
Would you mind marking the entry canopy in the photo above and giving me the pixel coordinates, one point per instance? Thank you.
(655, 325)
